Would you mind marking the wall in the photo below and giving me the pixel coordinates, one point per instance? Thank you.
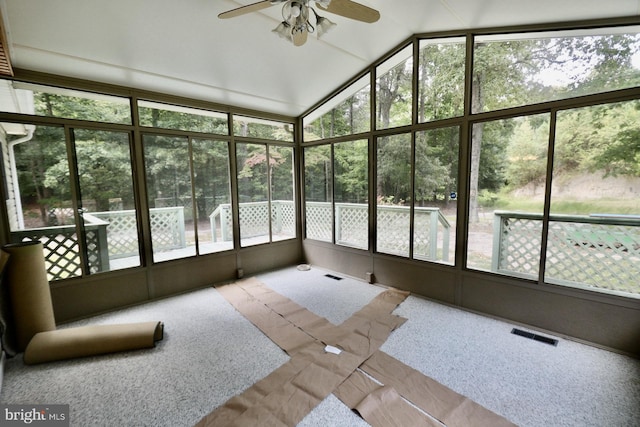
(603, 320)
(82, 297)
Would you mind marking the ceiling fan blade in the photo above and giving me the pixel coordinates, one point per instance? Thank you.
(351, 9)
(254, 7)
(299, 37)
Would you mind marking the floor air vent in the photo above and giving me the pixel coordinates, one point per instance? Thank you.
(331, 276)
(534, 337)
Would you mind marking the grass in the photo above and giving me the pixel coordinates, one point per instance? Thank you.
(504, 201)
(617, 272)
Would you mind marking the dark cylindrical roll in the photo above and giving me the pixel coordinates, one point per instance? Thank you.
(26, 277)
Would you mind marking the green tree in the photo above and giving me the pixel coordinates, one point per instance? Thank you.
(526, 152)
(441, 81)
(507, 74)
(393, 95)
(346, 118)
(317, 173)
(211, 175)
(499, 70)
(394, 169)
(436, 170)
(168, 171)
(70, 107)
(351, 171)
(33, 160)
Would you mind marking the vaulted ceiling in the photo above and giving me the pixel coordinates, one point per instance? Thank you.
(180, 47)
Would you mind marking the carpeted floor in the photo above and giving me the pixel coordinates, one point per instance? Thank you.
(211, 353)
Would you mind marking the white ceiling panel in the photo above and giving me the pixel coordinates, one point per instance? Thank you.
(182, 48)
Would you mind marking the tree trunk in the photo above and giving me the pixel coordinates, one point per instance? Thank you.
(476, 146)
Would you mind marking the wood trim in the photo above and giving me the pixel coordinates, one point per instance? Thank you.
(5, 60)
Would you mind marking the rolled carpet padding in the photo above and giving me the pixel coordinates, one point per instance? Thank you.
(91, 340)
(26, 277)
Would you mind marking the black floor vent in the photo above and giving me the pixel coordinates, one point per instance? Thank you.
(534, 337)
(331, 276)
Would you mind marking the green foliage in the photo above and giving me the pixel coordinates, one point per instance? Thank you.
(348, 117)
(272, 131)
(603, 137)
(167, 167)
(211, 174)
(70, 107)
(394, 168)
(282, 172)
(441, 81)
(436, 170)
(252, 172)
(104, 168)
(505, 200)
(393, 96)
(488, 199)
(182, 120)
(527, 152)
(351, 171)
(33, 159)
(317, 173)
(496, 136)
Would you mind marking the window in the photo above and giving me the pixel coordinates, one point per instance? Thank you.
(568, 217)
(52, 101)
(262, 129)
(318, 179)
(108, 210)
(394, 194)
(594, 224)
(506, 200)
(167, 116)
(265, 193)
(170, 198)
(96, 233)
(39, 203)
(212, 195)
(283, 207)
(436, 194)
(518, 69)
(253, 193)
(441, 79)
(394, 90)
(347, 113)
(351, 193)
(416, 207)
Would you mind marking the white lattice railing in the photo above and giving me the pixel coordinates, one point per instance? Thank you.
(61, 249)
(254, 219)
(352, 228)
(599, 251)
(122, 232)
(429, 224)
(109, 235)
(205, 204)
(319, 221)
(167, 230)
(352, 224)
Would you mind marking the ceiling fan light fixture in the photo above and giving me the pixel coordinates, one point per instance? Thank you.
(295, 9)
(323, 24)
(296, 26)
(283, 30)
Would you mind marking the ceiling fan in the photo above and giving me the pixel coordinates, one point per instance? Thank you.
(296, 24)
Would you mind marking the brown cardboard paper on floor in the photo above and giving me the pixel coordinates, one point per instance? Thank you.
(290, 392)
